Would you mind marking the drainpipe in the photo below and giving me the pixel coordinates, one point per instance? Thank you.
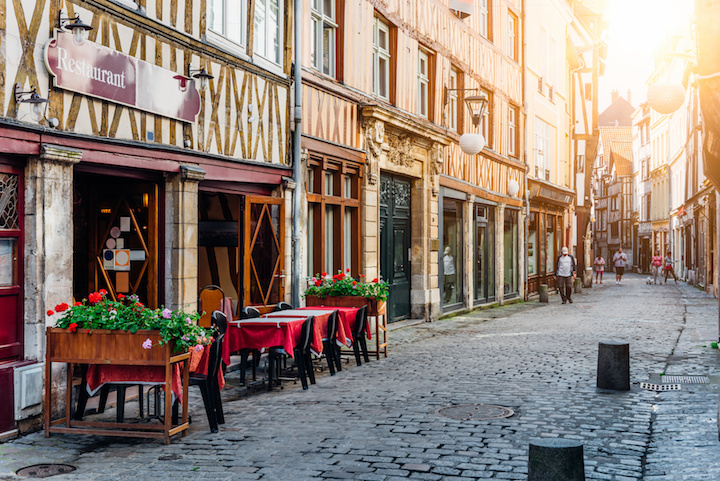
(527, 167)
(297, 171)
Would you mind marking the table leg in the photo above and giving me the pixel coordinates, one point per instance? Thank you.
(168, 403)
(185, 384)
(68, 396)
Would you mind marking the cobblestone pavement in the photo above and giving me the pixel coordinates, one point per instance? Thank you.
(381, 422)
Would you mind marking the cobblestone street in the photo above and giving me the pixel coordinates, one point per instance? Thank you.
(380, 421)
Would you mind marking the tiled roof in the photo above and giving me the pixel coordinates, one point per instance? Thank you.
(620, 135)
(621, 155)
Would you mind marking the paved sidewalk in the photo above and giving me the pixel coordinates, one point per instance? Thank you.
(382, 422)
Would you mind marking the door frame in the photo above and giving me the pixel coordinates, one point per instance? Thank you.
(14, 351)
(386, 255)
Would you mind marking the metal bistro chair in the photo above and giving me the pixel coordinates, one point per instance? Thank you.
(210, 299)
(249, 312)
(303, 357)
(282, 306)
(330, 348)
(359, 339)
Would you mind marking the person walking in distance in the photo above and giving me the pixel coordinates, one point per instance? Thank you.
(565, 275)
(619, 259)
(656, 266)
(669, 267)
(599, 265)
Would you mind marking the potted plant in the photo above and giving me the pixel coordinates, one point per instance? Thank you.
(342, 290)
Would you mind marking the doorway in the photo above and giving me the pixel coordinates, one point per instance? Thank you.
(395, 228)
(484, 254)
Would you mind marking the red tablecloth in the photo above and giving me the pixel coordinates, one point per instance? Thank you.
(348, 318)
(98, 374)
(273, 331)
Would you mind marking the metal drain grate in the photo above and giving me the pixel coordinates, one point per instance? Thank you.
(44, 470)
(685, 380)
(660, 387)
(476, 412)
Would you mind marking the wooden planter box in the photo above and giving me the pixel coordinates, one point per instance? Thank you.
(376, 309)
(102, 346)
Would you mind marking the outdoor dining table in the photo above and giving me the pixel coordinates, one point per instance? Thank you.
(347, 317)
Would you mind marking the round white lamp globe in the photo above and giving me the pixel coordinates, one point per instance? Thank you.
(472, 144)
(666, 98)
(513, 188)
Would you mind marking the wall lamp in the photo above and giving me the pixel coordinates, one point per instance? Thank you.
(37, 103)
(80, 31)
(201, 74)
(471, 143)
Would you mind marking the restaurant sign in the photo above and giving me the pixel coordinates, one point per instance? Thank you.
(108, 74)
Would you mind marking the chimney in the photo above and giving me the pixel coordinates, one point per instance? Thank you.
(614, 96)
(629, 97)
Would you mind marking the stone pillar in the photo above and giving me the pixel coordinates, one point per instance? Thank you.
(181, 237)
(48, 252)
(424, 292)
(370, 263)
(500, 254)
(469, 249)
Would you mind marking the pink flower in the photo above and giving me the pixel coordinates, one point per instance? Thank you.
(147, 344)
(198, 348)
(167, 313)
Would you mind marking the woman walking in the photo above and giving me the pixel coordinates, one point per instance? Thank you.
(669, 267)
(656, 266)
(599, 265)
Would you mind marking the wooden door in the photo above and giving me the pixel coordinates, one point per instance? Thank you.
(263, 251)
(11, 267)
(395, 244)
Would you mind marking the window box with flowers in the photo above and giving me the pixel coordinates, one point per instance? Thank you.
(342, 290)
(103, 331)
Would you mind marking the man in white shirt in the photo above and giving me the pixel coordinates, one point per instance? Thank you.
(449, 275)
(565, 275)
(619, 259)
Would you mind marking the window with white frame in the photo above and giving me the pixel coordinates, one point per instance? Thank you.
(485, 121)
(485, 18)
(267, 37)
(542, 148)
(512, 131)
(323, 41)
(452, 100)
(227, 18)
(512, 36)
(423, 83)
(381, 59)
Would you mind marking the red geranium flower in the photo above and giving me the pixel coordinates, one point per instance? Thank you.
(102, 291)
(95, 297)
(78, 303)
(376, 280)
(50, 313)
(324, 274)
(62, 307)
(348, 269)
(318, 283)
(354, 283)
(72, 327)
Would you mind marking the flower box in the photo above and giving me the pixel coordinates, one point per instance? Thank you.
(375, 307)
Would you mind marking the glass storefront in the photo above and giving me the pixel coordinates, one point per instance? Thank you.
(550, 250)
(510, 242)
(533, 246)
(452, 252)
(484, 243)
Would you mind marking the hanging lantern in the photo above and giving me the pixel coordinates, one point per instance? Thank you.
(472, 144)
(666, 98)
(513, 188)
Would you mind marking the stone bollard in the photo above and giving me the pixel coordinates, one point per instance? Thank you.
(578, 286)
(556, 459)
(613, 371)
(543, 293)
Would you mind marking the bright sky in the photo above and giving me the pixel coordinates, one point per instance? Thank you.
(635, 29)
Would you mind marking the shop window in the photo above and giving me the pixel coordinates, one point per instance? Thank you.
(484, 243)
(510, 242)
(532, 247)
(267, 35)
(324, 37)
(452, 252)
(228, 19)
(550, 251)
(333, 216)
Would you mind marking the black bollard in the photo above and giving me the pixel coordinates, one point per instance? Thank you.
(556, 459)
(613, 370)
(543, 293)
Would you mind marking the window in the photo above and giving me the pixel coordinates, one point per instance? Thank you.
(381, 59)
(485, 19)
(452, 100)
(423, 84)
(512, 36)
(227, 18)
(333, 192)
(512, 131)
(268, 29)
(485, 129)
(323, 41)
(542, 148)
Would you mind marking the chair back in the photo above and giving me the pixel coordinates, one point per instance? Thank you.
(282, 306)
(250, 312)
(360, 322)
(332, 326)
(210, 299)
(215, 357)
(219, 321)
(306, 333)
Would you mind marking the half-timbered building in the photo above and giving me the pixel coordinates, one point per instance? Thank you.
(158, 163)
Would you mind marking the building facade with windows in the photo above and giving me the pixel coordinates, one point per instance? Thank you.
(135, 178)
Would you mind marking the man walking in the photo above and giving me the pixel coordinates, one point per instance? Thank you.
(565, 275)
(619, 259)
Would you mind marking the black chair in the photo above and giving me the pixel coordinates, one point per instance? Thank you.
(330, 348)
(249, 312)
(282, 306)
(303, 357)
(209, 387)
(359, 339)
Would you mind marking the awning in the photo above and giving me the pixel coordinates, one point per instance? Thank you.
(463, 7)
